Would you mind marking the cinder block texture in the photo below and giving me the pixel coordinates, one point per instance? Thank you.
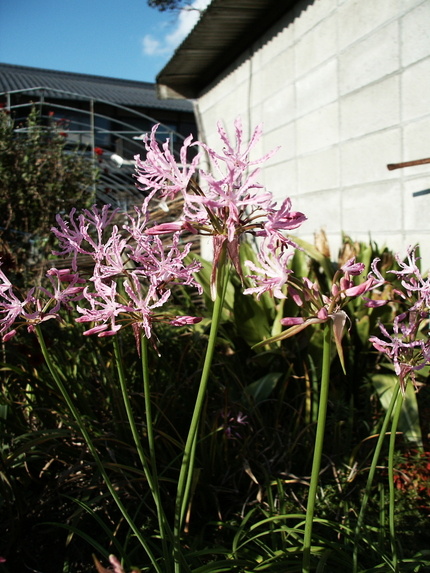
(357, 18)
(344, 87)
(416, 89)
(317, 88)
(318, 129)
(319, 170)
(316, 46)
(416, 198)
(365, 159)
(372, 207)
(370, 109)
(370, 59)
(415, 27)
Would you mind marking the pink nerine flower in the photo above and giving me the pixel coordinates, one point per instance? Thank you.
(352, 268)
(278, 222)
(39, 304)
(74, 236)
(407, 353)
(160, 170)
(230, 203)
(130, 256)
(413, 282)
(274, 275)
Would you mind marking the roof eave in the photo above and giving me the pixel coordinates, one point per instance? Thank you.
(212, 45)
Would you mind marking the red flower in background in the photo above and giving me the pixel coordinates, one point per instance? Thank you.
(98, 151)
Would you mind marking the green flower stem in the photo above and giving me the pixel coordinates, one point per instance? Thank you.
(162, 520)
(319, 442)
(187, 466)
(151, 476)
(392, 528)
(189, 480)
(91, 447)
(371, 475)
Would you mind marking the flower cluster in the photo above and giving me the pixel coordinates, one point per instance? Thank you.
(38, 305)
(133, 273)
(229, 204)
(146, 267)
(408, 347)
(231, 424)
(316, 307)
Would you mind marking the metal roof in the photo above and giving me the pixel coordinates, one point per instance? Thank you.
(118, 91)
(225, 30)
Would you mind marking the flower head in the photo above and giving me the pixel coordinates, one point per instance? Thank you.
(160, 169)
(231, 201)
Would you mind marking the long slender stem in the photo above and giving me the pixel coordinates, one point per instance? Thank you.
(150, 471)
(91, 447)
(189, 481)
(371, 475)
(392, 528)
(319, 441)
(187, 465)
(130, 416)
(163, 523)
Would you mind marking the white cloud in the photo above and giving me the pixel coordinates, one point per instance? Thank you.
(151, 46)
(165, 45)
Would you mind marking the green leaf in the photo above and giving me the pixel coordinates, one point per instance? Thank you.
(409, 422)
(262, 388)
(315, 254)
(251, 319)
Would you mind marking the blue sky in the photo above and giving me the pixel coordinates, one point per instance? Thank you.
(116, 38)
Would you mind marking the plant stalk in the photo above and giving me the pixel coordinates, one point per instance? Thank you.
(371, 475)
(187, 466)
(150, 471)
(318, 449)
(391, 525)
(91, 447)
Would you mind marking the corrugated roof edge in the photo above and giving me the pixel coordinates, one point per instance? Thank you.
(117, 82)
(185, 76)
(18, 68)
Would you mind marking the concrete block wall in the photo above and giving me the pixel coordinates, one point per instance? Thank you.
(344, 87)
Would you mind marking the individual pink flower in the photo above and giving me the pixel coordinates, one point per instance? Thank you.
(160, 170)
(408, 353)
(279, 221)
(63, 294)
(142, 312)
(415, 285)
(29, 311)
(352, 268)
(273, 275)
(74, 236)
(105, 308)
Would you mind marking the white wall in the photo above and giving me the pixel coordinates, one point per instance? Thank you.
(344, 87)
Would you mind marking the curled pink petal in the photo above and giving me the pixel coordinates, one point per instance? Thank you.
(323, 313)
(164, 228)
(9, 335)
(95, 329)
(361, 288)
(353, 268)
(183, 320)
(291, 320)
(370, 303)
